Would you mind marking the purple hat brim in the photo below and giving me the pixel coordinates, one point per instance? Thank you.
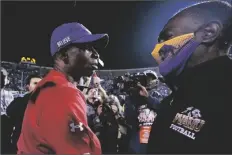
(101, 39)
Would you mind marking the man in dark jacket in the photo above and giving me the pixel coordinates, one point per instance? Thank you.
(15, 111)
(195, 118)
(140, 113)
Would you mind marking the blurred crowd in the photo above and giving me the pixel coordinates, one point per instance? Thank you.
(18, 72)
(121, 104)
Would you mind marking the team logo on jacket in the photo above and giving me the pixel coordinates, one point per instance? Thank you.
(188, 122)
(146, 116)
(75, 127)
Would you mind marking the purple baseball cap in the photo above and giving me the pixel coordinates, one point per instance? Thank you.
(68, 33)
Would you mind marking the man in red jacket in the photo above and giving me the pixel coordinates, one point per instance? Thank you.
(55, 120)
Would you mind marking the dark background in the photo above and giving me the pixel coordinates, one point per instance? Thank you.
(133, 28)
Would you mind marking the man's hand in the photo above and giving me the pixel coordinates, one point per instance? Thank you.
(143, 90)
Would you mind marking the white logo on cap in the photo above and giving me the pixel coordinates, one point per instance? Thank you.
(63, 41)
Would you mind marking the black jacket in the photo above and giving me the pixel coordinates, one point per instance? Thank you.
(15, 111)
(6, 131)
(197, 117)
(109, 132)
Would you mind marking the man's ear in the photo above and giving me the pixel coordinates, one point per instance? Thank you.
(211, 31)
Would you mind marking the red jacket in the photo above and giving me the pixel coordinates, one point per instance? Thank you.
(55, 120)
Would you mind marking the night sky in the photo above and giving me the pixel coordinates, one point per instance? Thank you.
(133, 28)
